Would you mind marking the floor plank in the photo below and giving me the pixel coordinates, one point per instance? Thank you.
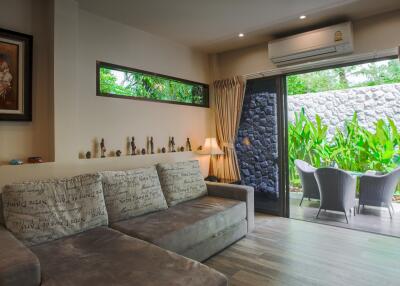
(290, 252)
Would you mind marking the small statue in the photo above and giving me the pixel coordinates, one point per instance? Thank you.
(102, 148)
(182, 149)
(163, 150)
(118, 153)
(133, 146)
(172, 144)
(188, 145)
(151, 145)
(88, 155)
(143, 151)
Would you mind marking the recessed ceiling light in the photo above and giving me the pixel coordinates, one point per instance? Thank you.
(241, 35)
(302, 17)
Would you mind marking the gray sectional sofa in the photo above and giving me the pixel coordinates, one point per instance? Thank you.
(149, 226)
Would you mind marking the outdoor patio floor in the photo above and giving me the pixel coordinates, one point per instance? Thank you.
(371, 219)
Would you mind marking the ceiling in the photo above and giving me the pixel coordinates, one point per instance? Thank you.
(213, 25)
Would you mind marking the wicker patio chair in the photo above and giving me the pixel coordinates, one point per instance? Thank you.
(307, 178)
(378, 190)
(337, 189)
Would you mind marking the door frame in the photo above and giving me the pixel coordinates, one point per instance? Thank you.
(283, 155)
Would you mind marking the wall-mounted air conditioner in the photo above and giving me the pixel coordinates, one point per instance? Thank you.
(318, 44)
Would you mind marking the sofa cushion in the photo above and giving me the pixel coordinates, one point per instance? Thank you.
(181, 181)
(18, 265)
(36, 212)
(103, 256)
(183, 226)
(131, 193)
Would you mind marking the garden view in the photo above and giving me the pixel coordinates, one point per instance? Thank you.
(149, 86)
(352, 147)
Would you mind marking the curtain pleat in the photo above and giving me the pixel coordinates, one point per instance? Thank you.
(228, 96)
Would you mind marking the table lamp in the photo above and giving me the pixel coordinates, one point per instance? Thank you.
(210, 147)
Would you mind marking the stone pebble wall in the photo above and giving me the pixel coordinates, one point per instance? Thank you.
(256, 144)
(334, 107)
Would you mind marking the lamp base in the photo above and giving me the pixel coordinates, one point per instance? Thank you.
(212, 179)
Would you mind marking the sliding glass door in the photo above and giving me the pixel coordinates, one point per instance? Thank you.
(261, 142)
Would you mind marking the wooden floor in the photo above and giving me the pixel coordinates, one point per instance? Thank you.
(290, 252)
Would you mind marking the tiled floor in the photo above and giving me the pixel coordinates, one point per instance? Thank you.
(371, 219)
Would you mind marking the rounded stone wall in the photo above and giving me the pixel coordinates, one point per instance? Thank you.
(334, 107)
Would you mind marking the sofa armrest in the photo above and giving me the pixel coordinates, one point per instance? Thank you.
(235, 192)
(18, 265)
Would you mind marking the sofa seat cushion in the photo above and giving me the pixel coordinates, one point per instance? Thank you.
(18, 265)
(187, 224)
(181, 181)
(103, 256)
(132, 193)
(42, 211)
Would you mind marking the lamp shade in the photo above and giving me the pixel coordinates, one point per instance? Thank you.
(210, 147)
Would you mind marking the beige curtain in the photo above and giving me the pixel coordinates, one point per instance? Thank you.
(228, 99)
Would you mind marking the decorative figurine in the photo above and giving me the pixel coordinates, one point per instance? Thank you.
(35, 160)
(172, 144)
(133, 146)
(188, 145)
(88, 155)
(16, 162)
(118, 153)
(151, 145)
(96, 148)
(163, 150)
(102, 148)
(143, 151)
(182, 149)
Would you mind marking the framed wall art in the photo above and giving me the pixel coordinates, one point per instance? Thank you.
(15, 76)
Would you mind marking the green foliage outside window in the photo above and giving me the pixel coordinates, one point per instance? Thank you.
(354, 148)
(369, 74)
(129, 83)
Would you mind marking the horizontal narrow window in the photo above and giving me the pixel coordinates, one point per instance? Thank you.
(124, 82)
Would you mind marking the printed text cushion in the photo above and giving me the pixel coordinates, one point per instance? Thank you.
(37, 212)
(132, 193)
(181, 181)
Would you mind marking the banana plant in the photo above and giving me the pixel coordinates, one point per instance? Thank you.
(352, 148)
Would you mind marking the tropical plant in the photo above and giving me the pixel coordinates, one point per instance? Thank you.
(352, 148)
(137, 84)
(368, 74)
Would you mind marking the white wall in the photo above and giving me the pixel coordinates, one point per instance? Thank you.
(371, 34)
(115, 119)
(80, 39)
(24, 139)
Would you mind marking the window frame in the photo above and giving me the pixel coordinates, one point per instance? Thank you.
(100, 64)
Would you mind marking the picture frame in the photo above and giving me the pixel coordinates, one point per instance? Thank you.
(15, 76)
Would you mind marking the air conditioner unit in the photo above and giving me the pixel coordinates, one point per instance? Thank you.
(317, 44)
